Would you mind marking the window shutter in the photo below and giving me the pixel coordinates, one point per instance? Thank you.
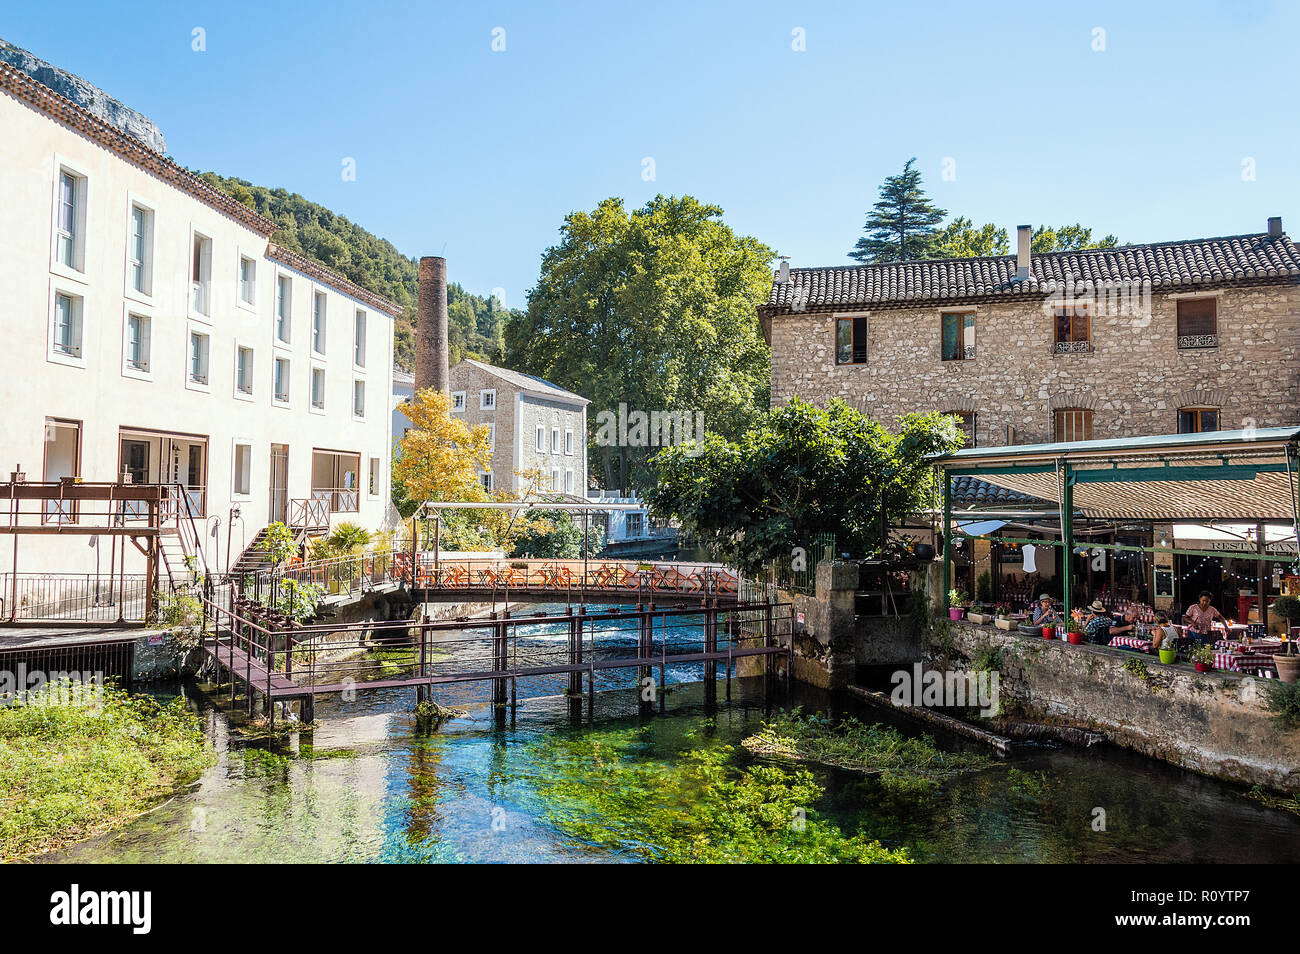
(1196, 316)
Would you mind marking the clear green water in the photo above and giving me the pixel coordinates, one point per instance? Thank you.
(367, 786)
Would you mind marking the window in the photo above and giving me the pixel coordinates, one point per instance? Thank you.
(243, 482)
(457, 400)
(555, 479)
(140, 250)
(244, 370)
(247, 280)
(555, 440)
(487, 400)
(1073, 424)
(136, 346)
(1073, 329)
(487, 481)
(568, 442)
(282, 380)
(318, 322)
(201, 275)
(492, 437)
(359, 339)
(70, 221)
(358, 398)
(283, 307)
(66, 333)
(1198, 323)
(958, 336)
(318, 388)
(374, 476)
(966, 421)
(851, 340)
(541, 437)
(568, 481)
(62, 459)
(198, 358)
(1195, 420)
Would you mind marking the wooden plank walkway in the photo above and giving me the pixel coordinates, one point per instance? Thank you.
(249, 669)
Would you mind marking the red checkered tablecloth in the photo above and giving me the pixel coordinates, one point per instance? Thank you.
(1131, 642)
(1243, 662)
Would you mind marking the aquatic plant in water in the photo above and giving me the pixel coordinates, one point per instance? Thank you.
(696, 807)
(904, 763)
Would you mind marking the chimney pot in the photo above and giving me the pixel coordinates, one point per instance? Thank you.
(431, 343)
(1275, 227)
(783, 273)
(1024, 235)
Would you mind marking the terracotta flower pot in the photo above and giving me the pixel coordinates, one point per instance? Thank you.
(1288, 667)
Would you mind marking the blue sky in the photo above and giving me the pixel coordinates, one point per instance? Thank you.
(478, 155)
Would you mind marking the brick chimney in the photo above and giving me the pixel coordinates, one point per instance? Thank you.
(431, 370)
(1024, 235)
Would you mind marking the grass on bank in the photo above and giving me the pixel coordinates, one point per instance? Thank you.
(871, 749)
(76, 761)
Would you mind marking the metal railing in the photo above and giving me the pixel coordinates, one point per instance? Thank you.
(73, 597)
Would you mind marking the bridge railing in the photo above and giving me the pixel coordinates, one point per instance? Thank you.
(622, 577)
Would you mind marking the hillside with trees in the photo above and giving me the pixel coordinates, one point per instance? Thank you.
(475, 324)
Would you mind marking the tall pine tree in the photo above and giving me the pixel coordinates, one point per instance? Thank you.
(900, 227)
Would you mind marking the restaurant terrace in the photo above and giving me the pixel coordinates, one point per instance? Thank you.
(1166, 516)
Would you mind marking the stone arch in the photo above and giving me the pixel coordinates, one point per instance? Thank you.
(1202, 397)
(1072, 399)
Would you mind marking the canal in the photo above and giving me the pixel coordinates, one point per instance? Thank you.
(369, 785)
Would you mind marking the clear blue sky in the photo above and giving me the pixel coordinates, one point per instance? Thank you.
(479, 155)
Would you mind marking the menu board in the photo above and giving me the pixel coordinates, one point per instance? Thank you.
(1164, 583)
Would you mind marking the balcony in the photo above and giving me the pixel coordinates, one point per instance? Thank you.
(1072, 347)
(1189, 342)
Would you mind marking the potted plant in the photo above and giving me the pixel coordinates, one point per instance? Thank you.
(1168, 652)
(956, 604)
(1074, 632)
(1202, 657)
(1002, 618)
(1287, 660)
(978, 613)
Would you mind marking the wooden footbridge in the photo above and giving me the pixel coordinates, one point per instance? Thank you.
(680, 614)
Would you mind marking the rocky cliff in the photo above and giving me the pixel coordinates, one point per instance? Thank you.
(91, 98)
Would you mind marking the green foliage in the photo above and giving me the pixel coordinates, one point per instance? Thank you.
(1283, 700)
(1202, 653)
(902, 223)
(961, 238)
(73, 764)
(1138, 668)
(556, 535)
(279, 543)
(176, 609)
(1286, 607)
(1068, 238)
(474, 324)
(801, 470)
(984, 587)
(349, 536)
(850, 744)
(956, 598)
(698, 809)
(298, 600)
(654, 309)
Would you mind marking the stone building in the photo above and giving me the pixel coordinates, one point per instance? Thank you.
(535, 424)
(1141, 339)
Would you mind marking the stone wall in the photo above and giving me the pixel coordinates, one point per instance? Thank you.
(1213, 723)
(1134, 379)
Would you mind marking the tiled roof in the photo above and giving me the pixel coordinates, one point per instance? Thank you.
(971, 490)
(1235, 259)
(319, 272)
(527, 382)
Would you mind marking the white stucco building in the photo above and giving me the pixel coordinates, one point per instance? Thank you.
(153, 330)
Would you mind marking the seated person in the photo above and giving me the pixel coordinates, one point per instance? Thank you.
(1043, 615)
(1163, 636)
(1099, 627)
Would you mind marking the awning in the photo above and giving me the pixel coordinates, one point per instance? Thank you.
(981, 527)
